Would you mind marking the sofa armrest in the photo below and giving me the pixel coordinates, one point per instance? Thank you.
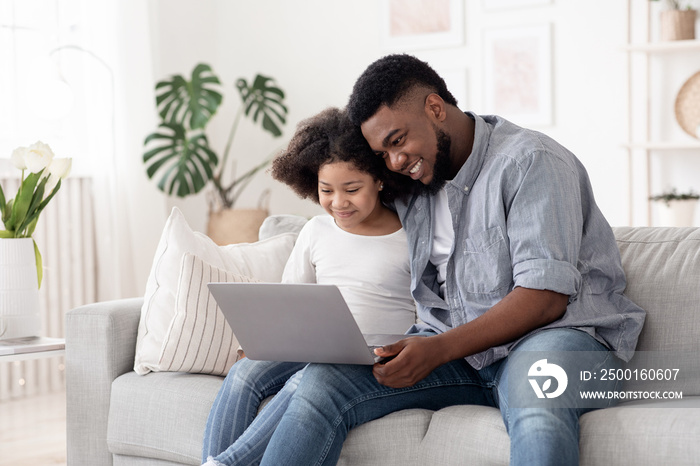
(100, 346)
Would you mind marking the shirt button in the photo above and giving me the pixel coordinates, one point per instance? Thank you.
(466, 189)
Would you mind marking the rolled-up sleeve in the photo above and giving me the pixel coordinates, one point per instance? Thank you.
(547, 274)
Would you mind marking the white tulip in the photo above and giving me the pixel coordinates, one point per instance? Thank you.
(60, 167)
(38, 157)
(19, 156)
(57, 170)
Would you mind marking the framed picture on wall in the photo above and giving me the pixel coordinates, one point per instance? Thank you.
(421, 24)
(518, 74)
(496, 4)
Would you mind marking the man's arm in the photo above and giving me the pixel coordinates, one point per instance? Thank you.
(520, 312)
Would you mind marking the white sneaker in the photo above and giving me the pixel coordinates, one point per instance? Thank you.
(212, 462)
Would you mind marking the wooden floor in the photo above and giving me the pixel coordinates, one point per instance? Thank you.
(33, 430)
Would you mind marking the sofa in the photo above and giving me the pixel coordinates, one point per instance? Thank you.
(115, 416)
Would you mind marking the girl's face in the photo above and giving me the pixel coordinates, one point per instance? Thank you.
(351, 196)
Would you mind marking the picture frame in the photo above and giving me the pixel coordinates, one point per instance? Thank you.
(421, 24)
(518, 74)
(503, 4)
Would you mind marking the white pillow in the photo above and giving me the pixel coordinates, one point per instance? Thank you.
(263, 261)
(199, 339)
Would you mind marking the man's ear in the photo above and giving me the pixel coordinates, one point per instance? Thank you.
(435, 107)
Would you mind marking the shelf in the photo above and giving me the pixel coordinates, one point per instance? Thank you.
(688, 145)
(646, 90)
(661, 47)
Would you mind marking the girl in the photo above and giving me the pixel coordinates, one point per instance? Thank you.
(360, 247)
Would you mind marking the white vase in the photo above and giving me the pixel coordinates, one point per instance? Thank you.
(19, 289)
(678, 213)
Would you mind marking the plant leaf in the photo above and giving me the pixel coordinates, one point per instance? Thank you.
(32, 226)
(264, 98)
(189, 103)
(7, 213)
(33, 210)
(45, 202)
(39, 264)
(2, 200)
(186, 164)
(27, 228)
(172, 93)
(23, 200)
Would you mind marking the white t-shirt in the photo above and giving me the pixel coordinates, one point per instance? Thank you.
(443, 237)
(372, 272)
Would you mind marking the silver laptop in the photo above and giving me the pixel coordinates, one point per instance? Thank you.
(296, 323)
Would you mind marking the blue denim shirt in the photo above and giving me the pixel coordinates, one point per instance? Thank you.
(523, 214)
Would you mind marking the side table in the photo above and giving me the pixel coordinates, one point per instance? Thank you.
(23, 349)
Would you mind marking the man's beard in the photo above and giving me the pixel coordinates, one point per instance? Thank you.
(441, 168)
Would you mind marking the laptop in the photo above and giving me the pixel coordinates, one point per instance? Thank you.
(296, 323)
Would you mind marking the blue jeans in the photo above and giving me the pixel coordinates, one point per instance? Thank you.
(234, 434)
(332, 399)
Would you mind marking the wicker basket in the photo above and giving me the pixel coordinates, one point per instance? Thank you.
(678, 24)
(229, 226)
(688, 105)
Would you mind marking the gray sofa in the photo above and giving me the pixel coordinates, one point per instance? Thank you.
(117, 417)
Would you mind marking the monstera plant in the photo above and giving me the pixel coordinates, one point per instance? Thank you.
(179, 151)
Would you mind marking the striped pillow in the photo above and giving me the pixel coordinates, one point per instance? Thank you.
(199, 339)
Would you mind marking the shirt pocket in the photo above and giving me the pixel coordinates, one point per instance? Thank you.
(487, 266)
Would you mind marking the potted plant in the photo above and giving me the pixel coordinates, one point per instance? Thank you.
(678, 21)
(21, 267)
(677, 209)
(180, 153)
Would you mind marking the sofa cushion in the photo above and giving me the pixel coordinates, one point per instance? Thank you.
(457, 433)
(642, 433)
(160, 415)
(281, 223)
(199, 340)
(263, 260)
(393, 440)
(659, 264)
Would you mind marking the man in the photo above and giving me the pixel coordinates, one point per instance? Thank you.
(509, 254)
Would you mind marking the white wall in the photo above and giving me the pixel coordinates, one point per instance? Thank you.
(316, 49)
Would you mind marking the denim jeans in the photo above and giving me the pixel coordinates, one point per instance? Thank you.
(234, 435)
(332, 399)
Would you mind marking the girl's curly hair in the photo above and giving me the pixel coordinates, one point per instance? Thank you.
(329, 137)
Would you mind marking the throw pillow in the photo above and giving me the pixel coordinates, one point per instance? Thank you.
(263, 260)
(199, 339)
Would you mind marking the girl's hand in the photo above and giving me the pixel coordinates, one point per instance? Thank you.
(412, 360)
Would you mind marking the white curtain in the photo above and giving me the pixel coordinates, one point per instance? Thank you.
(80, 79)
(131, 211)
(77, 75)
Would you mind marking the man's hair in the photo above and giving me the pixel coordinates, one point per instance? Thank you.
(326, 138)
(388, 80)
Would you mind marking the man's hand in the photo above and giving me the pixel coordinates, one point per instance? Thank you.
(520, 312)
(413, 359)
